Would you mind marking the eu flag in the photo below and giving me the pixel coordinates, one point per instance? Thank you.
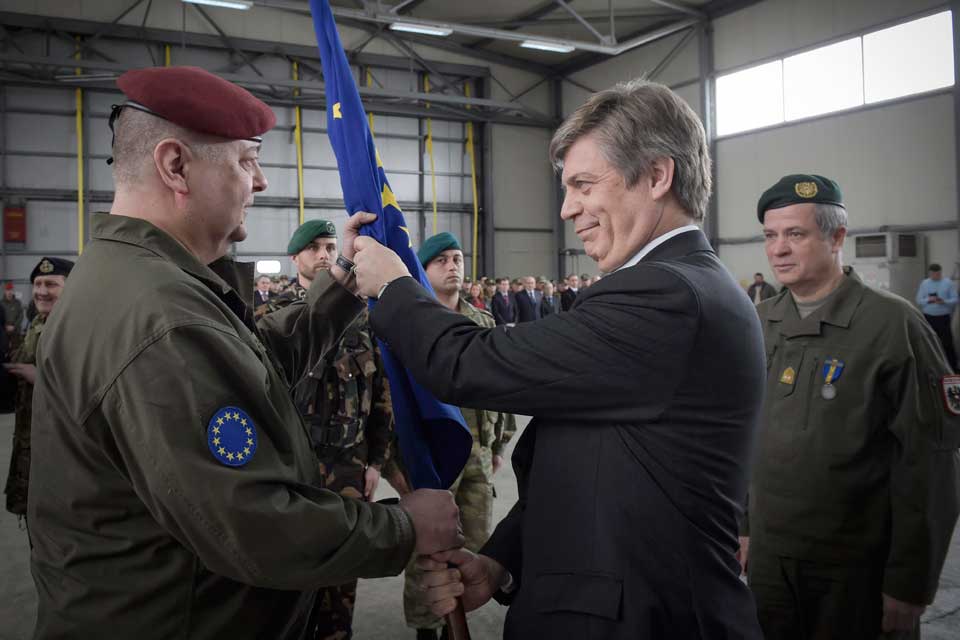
(434, 440)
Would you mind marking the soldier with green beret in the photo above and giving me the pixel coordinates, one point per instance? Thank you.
(855, 487)
(442, 259)
(48, 279)
(345, 402)
(174, 490)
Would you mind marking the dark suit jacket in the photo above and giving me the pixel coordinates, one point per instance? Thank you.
(567, 299)
(633, 470)
(260, 298)
(503, 308)
(551, 306)
(527, 310)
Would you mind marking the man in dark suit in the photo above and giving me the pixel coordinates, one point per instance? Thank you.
(644, 396)
(528, 301)
(568, 297)
(503, 306)
(261, 294)
(549, 303)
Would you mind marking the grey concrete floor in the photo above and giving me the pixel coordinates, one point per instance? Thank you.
(379, 614)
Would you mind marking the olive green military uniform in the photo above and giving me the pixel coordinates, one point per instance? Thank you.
(147, 514)
(345, 403)
(18, 478)
(473, 490)
(855, 481)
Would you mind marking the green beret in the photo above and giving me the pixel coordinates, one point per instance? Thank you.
(797, 189)
(308, 232)
(51, 267)
(435, 245)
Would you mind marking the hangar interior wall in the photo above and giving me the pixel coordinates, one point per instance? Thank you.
(895, 161)
(38, 142)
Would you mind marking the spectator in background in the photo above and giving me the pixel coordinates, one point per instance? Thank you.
(503, 306)
(263, 294)
(48, 278)
(489, 289)
(549, 303)
(760, 290)
(570, 294)
(585, 280)
(528, 301)
(516, 286)
(12, 318)
(476, 296)
(937, 298)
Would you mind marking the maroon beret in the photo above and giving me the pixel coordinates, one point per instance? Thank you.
(198, 100)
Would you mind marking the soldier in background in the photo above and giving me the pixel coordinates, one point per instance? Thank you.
(442, 259)
(854, 493)
(48, 278)
(12, 318)
(345, 402)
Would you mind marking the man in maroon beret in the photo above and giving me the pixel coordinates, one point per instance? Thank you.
(175, 492)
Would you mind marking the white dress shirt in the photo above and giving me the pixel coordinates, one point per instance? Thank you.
(653, 244)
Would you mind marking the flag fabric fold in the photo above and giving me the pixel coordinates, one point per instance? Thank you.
(433, 437)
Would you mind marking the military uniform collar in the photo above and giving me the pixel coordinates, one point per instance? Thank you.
(838, 311)
(232, 281)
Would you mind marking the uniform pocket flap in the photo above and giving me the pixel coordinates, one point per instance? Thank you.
(593, 593)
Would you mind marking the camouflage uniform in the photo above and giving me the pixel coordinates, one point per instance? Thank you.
(19, 475)
(13, 314)
(473, 490)
(345, 401)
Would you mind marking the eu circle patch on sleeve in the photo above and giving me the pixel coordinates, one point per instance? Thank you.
(232, 436)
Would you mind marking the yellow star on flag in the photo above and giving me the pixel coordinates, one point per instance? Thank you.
(246, 450)
(216, 441)
(387, 197)
(220, 421)
(216, 430)
(407, 231)
(221, 451)
(230, 456)
(336, 111)
(243, 422)
(239, 456)
(250, 441)
(236, 416)
(249, 431)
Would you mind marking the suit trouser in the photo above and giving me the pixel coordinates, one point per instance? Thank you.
(941, 326)
(805, 600)
(473, 491)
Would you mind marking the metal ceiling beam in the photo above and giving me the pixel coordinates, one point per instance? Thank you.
(636, 39)
(210, 41)
(586, 25)
(593, 16)
(445, 44)
(530, 16)
(316, 89)
(679, 7)
(516, 36)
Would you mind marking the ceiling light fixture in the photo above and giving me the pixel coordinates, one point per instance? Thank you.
(411, 27)
(243, 5)
(547, 46)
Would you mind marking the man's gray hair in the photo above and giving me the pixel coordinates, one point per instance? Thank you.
(137, 135)
(830, 217)
(637, 122)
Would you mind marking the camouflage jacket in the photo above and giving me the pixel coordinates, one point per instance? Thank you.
(12, 312)
(19, 474)
(490, 429)
(345, 398)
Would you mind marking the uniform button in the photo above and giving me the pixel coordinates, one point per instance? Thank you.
(310, 375)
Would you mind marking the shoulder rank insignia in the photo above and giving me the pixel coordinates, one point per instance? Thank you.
(951, 393)
(232, 436)
(788, 376)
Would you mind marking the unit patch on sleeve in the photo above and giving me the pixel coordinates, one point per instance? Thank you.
(232, 436)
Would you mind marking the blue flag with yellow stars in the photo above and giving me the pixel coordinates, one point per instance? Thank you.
(433, 437)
